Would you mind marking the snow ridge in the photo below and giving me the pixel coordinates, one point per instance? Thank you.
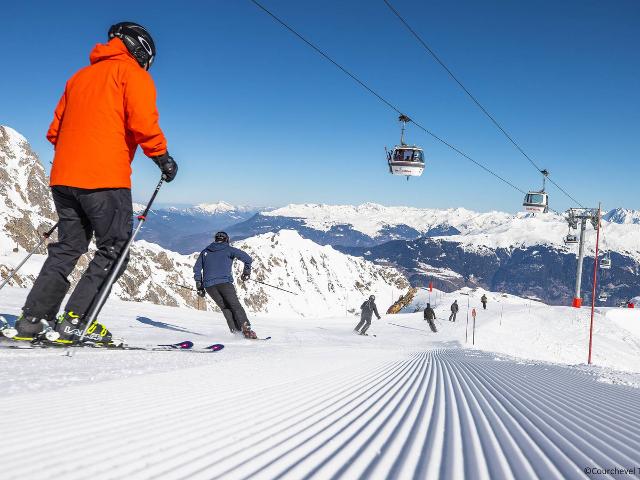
(489, 230)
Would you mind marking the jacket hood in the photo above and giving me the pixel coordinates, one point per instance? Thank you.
(113, 49)
(216, 247)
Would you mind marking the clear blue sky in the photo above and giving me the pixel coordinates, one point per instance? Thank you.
(253, 116)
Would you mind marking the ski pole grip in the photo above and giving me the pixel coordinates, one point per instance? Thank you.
(48, 233)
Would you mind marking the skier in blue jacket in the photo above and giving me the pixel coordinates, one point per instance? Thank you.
(213, 275)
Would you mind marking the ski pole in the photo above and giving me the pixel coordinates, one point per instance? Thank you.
(45, 235)
(106, 287)
(182, 286)
(272, 286)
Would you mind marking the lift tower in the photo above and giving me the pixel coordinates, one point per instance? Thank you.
(581, 215)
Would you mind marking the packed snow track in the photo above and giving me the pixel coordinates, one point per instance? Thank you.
(444, 413)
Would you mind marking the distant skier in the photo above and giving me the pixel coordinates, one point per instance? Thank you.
(430, 316)
(368, 308)
(107, 109)
(213, 275)
(454, 311)
(484, 299)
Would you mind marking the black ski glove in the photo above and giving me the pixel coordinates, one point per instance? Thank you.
(167, 165)
(200, 289)
(245, 276)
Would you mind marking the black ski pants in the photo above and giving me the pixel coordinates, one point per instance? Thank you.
(82, 213)
(452, 317)
(365, 323)
(225, 296)
(432, 325)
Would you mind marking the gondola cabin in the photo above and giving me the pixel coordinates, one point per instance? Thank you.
(605, 263)
(536, 202)
(406, 160)
(571, 239)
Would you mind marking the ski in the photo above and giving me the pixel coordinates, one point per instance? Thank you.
(216, 347)
(185, 346)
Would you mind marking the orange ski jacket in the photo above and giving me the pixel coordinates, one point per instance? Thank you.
(108, 108)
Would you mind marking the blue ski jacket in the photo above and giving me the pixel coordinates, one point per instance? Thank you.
(215, 262)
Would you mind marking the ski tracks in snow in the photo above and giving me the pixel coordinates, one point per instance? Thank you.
(445, 413)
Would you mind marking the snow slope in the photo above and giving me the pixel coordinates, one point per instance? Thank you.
(315, 401)
(530, 329)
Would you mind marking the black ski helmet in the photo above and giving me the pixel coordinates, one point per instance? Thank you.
(221, 237)
(137, 40)
(372, 297)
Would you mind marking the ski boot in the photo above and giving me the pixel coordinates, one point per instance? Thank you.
(5, 327)
(69, 327)
(28, 328)
(247, 332)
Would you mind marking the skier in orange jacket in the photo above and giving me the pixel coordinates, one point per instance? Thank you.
(107, 109)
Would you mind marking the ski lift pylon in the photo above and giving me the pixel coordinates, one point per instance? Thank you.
(403, 159)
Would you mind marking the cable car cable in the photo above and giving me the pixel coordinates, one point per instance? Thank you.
(380, 97)
(474, 99)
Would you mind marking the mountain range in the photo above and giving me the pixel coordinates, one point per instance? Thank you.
(522, 254)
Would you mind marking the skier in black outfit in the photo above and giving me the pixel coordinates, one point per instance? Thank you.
(430, 316)
(212, 273)
(368, 308)
(483, 299)
(454, 311)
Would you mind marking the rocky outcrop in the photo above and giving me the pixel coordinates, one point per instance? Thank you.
(403, 301)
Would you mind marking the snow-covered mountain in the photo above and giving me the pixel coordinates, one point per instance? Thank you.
(622, 215)
(25, 205)
(364, 225)
(372, 224)
(220, 207)
(326, 281)
(522, 253)
(381, 222)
